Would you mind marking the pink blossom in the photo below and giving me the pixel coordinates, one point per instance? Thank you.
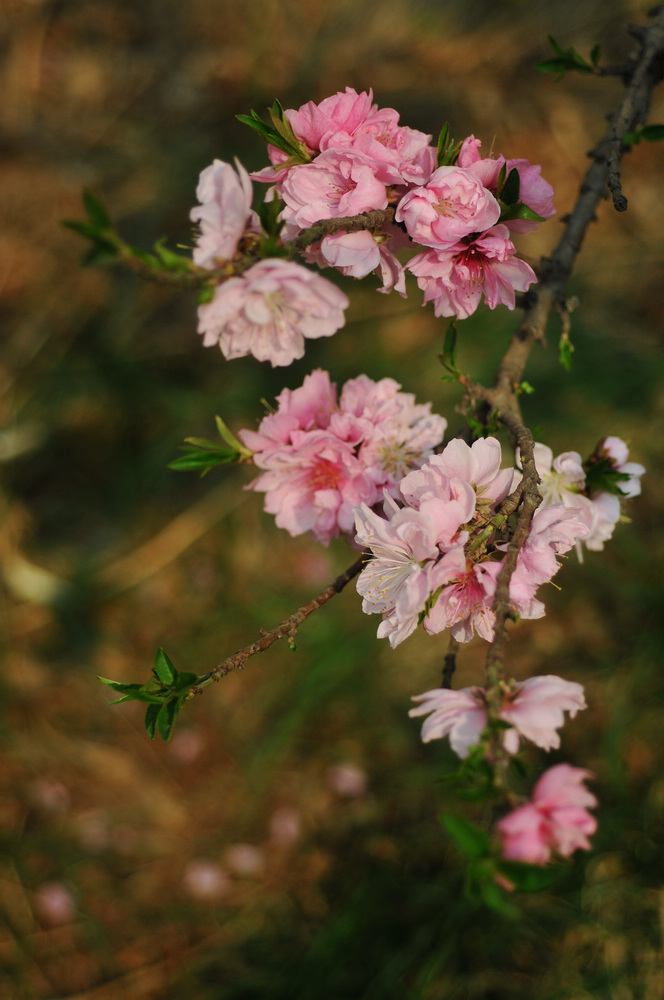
(357, 254)
(562, 479)
(455, 278)
(479, 465)
(224, 213)
(534, 191)
(553, 532)
(269, 310)
(400, 155)
(336, 184)
(535, 708)
(465, 604)
(604, 515)
(314, 485)
(344, 112)
(453, 204)
(322, 456)
(556, 819)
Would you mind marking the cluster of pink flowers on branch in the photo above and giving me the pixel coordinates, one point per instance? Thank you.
(534, 708)
(350, 157)
(439, 548)
(324, 454)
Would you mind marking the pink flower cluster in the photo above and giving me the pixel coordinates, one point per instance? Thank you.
(323, 455)
(363, 160)
(564, 480)
(534, 708)
(438, 550)
(555, 820)
(270, 308)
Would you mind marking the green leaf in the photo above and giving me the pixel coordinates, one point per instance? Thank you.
(226, 434)
(172, 261)
(164, 668)
(565, 352)
(268, 213)
(96, 211)
(205, 294)
(185, 680)
(519, 211)
(511, 188)
(566, 59)
(653, 133)
(495, 899)
(526, 388)
(603, 477)
(472, 841)
(151, 720)
(167, 717)
(98, 255)
(119, 686)
(88, 229)
(199, 459)
(443, 140)
(595, 53)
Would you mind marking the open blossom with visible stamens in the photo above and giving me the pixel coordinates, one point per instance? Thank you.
(535, 708)
(455, 278)
(555, 820)
(322, 456)
(269, 310)
(451, 205)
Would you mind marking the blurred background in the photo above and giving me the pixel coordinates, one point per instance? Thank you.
(286, 843)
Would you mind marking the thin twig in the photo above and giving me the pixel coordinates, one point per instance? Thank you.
(287, 627)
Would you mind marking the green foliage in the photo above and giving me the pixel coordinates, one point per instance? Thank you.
(268, 213)
(448, 149)
(448, 357)
(165, 693)
(603, 477)
(651, 133)
(204, 455)
(568, 59)
(565, 351)
(279, 134)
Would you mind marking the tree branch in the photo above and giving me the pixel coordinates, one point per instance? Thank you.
(287, 627)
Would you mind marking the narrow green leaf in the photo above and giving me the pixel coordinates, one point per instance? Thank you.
(119, 686)
(268, 213)
(472, 841)
(186, 679)
(171, 260)
(196, 459)
(501, 178)
(443, 140)
(205, 294)
(520, 211)
(511, 188)
(87, 229)
(565, 351)
(653, 133)
(595, 53)
(164, 668)
(151, 720)
(495, 899)
(96, 211)
(167, 717)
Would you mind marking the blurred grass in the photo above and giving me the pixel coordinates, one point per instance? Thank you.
(107, 554)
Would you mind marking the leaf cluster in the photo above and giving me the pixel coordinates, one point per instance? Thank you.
(603, 477)
(568, 59)
(448, 149)
(204, 455)
(508, 192)
(165, 693)
(279, 134)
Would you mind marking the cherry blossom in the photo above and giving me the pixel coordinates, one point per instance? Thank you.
(323, 456)
(455, 278)
(535, 708)
(555, 820)
(224, 213)
(336, 184)
(269, 310)
(453, 204)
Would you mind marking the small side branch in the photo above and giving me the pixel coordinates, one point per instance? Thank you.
(287, 627)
